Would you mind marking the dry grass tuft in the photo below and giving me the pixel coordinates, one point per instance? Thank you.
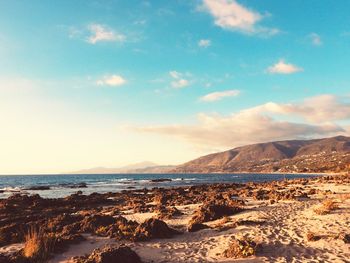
(37, 246)
(330, 204)
(326, 207)
(241, 248)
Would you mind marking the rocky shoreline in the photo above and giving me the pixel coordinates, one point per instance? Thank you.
(65, 222)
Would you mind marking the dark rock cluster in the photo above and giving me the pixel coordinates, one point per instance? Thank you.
(102, 214)
(120, 254)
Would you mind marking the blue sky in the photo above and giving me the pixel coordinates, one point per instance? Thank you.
(107, 83)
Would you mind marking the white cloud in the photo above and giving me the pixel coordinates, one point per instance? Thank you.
(100, 33)
(174, 74)
(315, 39)
(322, 108)
(240, 129)
(218, 95)
(260, 124)
(204, 43)
(281, 67)
(229, 14)
(112, 80)
(178, 82)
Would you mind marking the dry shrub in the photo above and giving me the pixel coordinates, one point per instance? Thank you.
(38, 245)
(330, 205)
(327, 206)
(241, 248)
(311, 236)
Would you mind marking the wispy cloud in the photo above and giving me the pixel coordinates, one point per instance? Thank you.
(219, 95)
(281, 67)
(259, 124)
(204, 43)
(180, 83)
(315, 39)
(111, 80)
(101, 33)
(229, 14)
(178, 80)
(322, 108)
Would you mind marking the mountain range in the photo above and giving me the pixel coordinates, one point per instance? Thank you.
(291, 156)
(299, 156)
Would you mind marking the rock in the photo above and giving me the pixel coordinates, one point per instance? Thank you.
(161, 180)
(210, 212)
(194, 227)
(16, 257)
(312, 191)
(168, 212)
(38, 187)
(122, 229)
(58, 223)
(345, 238)
(154, 228)
(121, 254)
(161, 199)
(310, 236)
(79, 185)
(94, 222)
(9, 234)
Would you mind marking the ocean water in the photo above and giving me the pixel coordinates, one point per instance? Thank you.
(66, 184)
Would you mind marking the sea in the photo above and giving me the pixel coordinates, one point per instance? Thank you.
(66, 184)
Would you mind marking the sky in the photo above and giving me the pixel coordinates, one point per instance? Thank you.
(91, 83)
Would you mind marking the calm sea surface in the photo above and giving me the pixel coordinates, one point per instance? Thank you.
(63, 185)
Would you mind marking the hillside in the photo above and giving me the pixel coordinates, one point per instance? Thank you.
(319, 155)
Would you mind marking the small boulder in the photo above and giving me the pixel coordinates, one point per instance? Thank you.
(121, 254)
(94, 222)
(212, 211)
(154, 228)
(345, 238)
(194, 227)
(168, 212)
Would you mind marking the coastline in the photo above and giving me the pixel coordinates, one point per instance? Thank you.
(277, 215)
(64, 185)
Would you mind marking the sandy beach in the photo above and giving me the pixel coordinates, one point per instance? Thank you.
(287, 222)
(184, 131)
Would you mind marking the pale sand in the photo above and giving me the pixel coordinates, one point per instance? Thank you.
(283, 236)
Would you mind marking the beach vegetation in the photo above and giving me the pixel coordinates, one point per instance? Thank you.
(38, 246)
(326, 207)
(241, 248)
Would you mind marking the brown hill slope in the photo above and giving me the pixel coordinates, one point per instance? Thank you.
(319, 155)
